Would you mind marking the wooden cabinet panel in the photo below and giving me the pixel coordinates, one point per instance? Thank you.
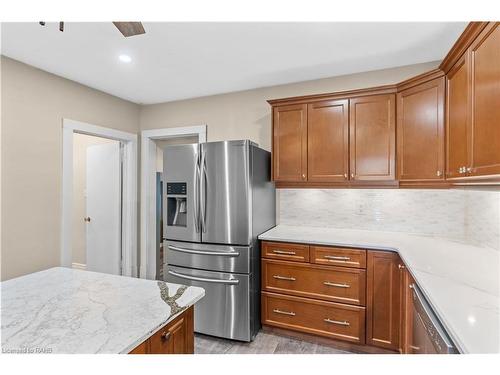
(407, 346)
(338, 256)
(372, 138)
(383, 297)
(457, 118)
(328, 141)
(177, 337)
(321, 318)
(485, 96)
(337, 284)
(290, 143)
(142, 348)
(285, 251)
(420, 132)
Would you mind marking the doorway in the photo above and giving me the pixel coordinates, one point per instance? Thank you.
(99, 200)
(151, 142)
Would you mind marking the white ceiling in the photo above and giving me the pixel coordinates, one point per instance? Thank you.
(175, 61)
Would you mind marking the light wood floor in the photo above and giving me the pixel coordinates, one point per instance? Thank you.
(264, 343)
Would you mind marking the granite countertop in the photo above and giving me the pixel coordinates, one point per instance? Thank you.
(63, 310)
(460, 281)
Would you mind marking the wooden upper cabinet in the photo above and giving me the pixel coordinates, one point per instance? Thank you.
(372, 138)
(420, 132)
(328, 141)
(485, 96)
(383, 299)
(290, 143)
(457, 110)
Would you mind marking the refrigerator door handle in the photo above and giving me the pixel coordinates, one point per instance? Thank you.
(203, 194)
(197, 197)
(203, 279)
(200, 252)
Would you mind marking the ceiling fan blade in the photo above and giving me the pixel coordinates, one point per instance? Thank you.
(130, 28)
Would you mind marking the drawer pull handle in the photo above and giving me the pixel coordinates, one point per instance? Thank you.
(284, 278)
(344, 323)
(284, 252)
(289, 313)
(333, 257)
(337, 285)
(165, 336)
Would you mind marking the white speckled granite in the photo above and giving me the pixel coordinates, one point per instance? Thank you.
(63, 310)
(471, 216)
(460, 281)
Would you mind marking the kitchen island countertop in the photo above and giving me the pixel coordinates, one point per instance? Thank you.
(63, 310)
(460, 281)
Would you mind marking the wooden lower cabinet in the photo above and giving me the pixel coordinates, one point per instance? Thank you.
(383, 307)
(334, 320)
(363, 297)
(177, 337)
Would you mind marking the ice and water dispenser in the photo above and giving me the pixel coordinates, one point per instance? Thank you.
(176, 204)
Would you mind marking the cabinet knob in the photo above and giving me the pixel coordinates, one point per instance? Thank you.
(439, 173)
(345, 176)
(469, 169)
(165, 335)
(87, 219)
(303, 176)
(401, 267)
(352, 176)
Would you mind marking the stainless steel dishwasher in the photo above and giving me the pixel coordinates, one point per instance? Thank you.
(429, 336)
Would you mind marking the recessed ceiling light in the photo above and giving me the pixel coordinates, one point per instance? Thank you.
(125, 58)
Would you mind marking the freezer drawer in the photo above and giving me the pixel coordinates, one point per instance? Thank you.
(225, 311)
(222, 258)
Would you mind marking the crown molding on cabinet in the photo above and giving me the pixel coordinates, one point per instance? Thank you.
(378, 90)
(420, 79)
(470, 33)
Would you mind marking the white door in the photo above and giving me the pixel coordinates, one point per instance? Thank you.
(103, 188)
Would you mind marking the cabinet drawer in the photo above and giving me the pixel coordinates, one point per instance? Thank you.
(327, 319)
(338, 256)
(285, 251)
(337, 284)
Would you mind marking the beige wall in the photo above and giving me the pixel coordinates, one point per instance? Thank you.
(80, 144)
(34, 103)
(247, 115)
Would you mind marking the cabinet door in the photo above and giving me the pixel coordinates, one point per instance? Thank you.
(457, 113)
(383, 308)
(176, 338)
(328, 141)
(485, 119)
(290, 143)
(420, 132)
(372, 138)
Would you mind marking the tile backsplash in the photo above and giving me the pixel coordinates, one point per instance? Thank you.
(471, 216)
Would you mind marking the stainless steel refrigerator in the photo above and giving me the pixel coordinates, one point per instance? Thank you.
(218, 197)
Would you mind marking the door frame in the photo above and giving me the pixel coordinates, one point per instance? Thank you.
(148, 189)
(129, 199)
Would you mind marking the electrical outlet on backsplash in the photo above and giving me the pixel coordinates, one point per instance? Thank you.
(471, 216)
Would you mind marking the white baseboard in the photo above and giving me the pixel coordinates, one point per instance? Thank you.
(79, 266)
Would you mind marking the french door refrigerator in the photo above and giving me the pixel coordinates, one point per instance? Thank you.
(218, 198)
